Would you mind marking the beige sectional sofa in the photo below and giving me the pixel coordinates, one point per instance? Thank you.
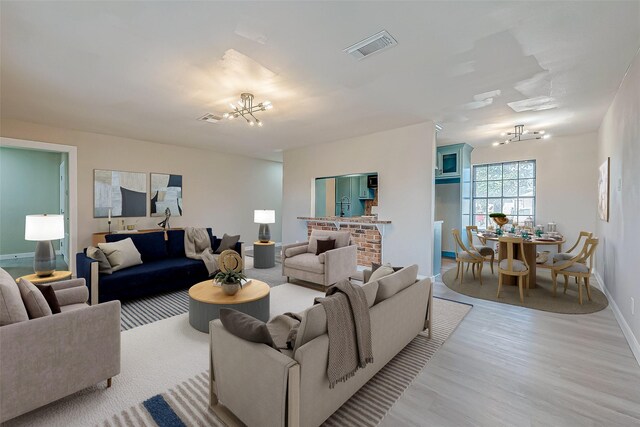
(299, 260)
(265, 387)
(47, 358)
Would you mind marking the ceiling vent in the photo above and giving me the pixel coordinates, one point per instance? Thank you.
(211, 118)
(376, 43)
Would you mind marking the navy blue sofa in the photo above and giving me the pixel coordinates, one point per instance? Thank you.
(164, 267)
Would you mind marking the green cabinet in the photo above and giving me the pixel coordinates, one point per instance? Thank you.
(448, 161)
(365, 193)
(348, 192)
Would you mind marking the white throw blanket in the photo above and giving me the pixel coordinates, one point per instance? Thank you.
(197, 245)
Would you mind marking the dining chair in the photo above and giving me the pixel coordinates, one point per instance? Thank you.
(570, 253)
(511, 266)
(465, 255)
(487, 252)
(579, 266)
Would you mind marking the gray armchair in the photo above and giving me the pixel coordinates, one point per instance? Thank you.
(51, 357)
(299, 260)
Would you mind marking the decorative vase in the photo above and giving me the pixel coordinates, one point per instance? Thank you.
(500, 221)
(230, 288)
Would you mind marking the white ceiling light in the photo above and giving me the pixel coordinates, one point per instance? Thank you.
(245, 109)
(370, 45)
(521, 134)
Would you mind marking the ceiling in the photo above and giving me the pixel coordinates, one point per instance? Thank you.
(148, 70)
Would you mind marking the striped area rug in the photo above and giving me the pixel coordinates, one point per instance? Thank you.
(141, 311)
(187, 404)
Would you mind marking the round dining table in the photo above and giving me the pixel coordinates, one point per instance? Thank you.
(530, 255)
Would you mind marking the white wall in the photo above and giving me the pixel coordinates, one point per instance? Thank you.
(566, 178)
(618, 256)
(404, 160)
(219, 190)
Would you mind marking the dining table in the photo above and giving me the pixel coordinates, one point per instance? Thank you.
(530, 254)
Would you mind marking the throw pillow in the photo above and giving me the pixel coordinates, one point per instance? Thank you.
(33, 299)
(246, 327)
(121, 254)
(375, 266)
(325, 245)
(381, 272)
(103, 263)
(228, 242)
(12, 309)
(296, 250)
(394, 283)
(50, 296)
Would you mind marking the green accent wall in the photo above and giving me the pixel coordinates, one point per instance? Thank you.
(28, 185)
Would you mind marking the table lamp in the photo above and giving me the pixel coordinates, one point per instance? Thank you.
(264, 218)
(43, 229)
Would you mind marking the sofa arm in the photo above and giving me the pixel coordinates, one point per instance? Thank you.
(54, 356)
(251, 380)
(70, 292)
(366, 274)
(340, 264)
(292, 245)
(87, 269)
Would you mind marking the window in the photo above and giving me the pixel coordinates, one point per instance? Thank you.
(509, 188)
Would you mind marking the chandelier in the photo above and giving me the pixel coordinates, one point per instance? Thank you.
(246, 109)
(520, 134)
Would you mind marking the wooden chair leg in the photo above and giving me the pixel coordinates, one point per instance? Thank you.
(461, 274)
(554, 276)
(468, 267)
(492, 259)
(566, 283)
(526, 282)
(499, 284)
(480, 271)
(580, 293)
(457, 269)
(520, 282)
(586, 285)
(108, 382)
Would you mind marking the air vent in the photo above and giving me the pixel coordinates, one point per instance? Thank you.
(376, 43)
(211, 118)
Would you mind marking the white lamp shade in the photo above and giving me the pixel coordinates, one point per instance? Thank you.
(264, 217)
(44, 227)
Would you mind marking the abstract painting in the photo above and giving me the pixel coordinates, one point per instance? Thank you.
(124, 193)
(166, 192)
(603, 190)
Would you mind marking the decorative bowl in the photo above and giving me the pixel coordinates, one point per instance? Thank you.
(500, 221)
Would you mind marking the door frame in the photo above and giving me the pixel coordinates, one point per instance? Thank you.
(72, 174)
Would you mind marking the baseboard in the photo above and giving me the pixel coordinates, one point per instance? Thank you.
(448, 254)
(626, 330)
(21, 255)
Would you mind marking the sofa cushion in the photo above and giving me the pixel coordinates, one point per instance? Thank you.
(325, 245)
(394, 283)
(175, 242)
(228, 242)
(246, 327)
(152, 278)
(371, 291)
(342, 238)
(152, 246)
(573, 268)
(50, 296)
(305, 262)
(121, 254)
(33, 300)
(375, 266)
(12, 309)
(72, 307)
(103, 263)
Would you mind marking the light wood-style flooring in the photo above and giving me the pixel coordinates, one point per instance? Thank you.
(512, 366)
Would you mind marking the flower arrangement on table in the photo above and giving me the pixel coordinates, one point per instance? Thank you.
(499, 218)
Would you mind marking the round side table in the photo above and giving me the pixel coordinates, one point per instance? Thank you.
(206, 300)
(264, 254)
(57, 276)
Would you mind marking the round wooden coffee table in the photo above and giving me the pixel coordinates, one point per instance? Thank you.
(57, 276)
(206, 300)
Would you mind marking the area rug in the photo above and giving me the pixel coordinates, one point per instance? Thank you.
(187, 403)
(540, 298)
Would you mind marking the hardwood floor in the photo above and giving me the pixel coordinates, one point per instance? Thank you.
(513, 366)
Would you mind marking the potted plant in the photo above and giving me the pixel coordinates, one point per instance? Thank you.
(230, 281)
(499, 218)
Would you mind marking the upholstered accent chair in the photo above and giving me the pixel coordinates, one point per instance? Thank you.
(299, 260)
(580, 267)
(575, 249)
(467, 256)
(486, 251)
(47, 358)
(512, 266)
